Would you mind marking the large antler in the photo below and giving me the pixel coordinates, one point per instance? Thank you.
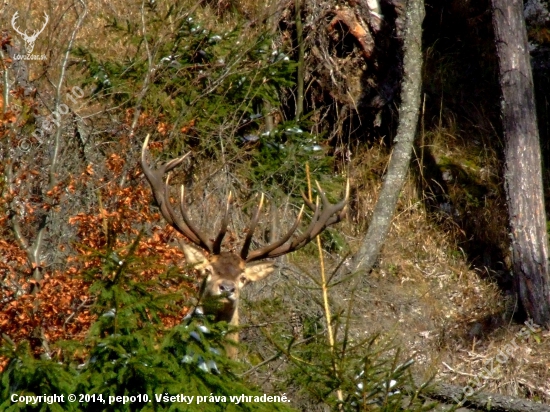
(162, 196)
(322, 217)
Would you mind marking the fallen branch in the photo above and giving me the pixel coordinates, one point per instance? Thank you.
(484, 400)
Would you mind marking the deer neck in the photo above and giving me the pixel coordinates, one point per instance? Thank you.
(228, 312)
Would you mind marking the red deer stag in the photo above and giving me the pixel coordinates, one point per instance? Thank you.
(227, 272)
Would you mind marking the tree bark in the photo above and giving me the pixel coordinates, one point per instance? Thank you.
(523, 174)
(402, 151)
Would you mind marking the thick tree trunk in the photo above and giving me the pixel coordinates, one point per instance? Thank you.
(523, 175)
(406, 131)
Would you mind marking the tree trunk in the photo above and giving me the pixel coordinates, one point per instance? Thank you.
(523, 174)
(406, 131)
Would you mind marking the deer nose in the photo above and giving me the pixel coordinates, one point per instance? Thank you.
(227, 288)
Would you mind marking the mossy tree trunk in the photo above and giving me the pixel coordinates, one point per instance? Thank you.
(402, 151)
(523, 174)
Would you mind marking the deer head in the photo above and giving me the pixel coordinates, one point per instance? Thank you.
(29, 40)
(226, 273)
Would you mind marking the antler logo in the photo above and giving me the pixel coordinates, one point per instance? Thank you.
(29, 40)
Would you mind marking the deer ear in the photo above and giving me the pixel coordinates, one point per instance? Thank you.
(257, 271)
(194, 256)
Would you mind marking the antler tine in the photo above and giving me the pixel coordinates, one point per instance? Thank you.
(173, 218)
(308, 202)
(162, 196)
(204, 241)
(216, 248)
(329, 215)
(266, 250)
(332, 213)
(279, 248)
(251, 228)
(168, 166)
(316, 212)
(155, 179)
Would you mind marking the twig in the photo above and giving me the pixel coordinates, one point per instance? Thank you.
(259, 365)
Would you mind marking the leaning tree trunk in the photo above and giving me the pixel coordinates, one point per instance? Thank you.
(402, 151)
(523, 174)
